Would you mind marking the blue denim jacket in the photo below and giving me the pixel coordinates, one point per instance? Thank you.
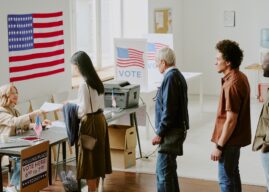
(171, 107)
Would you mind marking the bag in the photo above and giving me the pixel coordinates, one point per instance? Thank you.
(265, 148)
(172, 142)
(87, 142)
(69, 181)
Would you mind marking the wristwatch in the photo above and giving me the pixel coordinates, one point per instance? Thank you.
(219, 147)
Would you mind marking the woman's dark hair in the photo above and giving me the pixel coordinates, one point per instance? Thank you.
(85, 67)
(231, 52)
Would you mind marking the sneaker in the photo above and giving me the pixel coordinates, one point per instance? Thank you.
(11, 189)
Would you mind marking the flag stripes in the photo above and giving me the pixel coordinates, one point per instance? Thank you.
(36, 45)
(127, 57)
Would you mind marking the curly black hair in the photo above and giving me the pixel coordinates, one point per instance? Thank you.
(231, 52)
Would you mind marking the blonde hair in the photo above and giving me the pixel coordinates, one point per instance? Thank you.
(5, 91)
(167, 55)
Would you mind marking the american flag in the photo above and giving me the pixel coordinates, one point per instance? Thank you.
(127, 57)
(36, 45)
(38, 126)
(153, 48)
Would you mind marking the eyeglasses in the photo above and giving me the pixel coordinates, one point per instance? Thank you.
(14, 93)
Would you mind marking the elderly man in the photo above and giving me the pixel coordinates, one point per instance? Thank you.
(171, 121)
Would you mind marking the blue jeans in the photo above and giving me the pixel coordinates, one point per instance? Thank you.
(15, 177)
(265, 164)
(229, 177)
(166, 171)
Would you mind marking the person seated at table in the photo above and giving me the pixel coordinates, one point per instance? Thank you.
(11, 122)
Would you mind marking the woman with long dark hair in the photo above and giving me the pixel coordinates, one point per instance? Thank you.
(92, 164)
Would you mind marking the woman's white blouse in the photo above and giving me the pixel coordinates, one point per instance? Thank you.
(83, 100)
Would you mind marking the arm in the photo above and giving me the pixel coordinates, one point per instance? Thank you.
(9, 121)
(228, 128)
(82, 100)
(170, 104)
(227, 131)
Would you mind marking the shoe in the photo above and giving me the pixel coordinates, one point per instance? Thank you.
(11, 189)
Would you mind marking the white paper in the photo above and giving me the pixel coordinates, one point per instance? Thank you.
(56, 124)
(159, 19)
(47, 107)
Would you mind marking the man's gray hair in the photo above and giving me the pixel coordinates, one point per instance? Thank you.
(167, 55)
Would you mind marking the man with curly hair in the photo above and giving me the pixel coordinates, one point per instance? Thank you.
(232, 128)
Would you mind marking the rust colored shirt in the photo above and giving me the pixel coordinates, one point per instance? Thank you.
(235, 97)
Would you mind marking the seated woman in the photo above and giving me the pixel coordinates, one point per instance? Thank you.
(11, 122)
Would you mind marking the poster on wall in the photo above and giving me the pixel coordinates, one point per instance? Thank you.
(155, 42)
(130, 61)
(163, 21)
(35, 45)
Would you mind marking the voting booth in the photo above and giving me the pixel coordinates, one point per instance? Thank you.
(135, 59)
(34, 167)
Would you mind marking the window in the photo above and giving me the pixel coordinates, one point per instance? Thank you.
(98, 22)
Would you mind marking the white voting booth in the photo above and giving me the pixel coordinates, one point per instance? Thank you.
(130, 59)
(154, 43)
(135, 59)
(135, 63)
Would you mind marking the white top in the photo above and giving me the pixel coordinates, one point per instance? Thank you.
(169, 69)
(83, 100)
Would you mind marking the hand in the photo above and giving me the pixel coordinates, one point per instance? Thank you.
(46, 122)
(156, 140)
(216, 154)
(39, 112)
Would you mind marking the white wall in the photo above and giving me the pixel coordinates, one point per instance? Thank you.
(46, 85)
(203, 28)
(177, 16)
(198, 26)
(135, 18)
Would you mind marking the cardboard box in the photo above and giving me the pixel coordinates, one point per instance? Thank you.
(122, 137)
(123, 158)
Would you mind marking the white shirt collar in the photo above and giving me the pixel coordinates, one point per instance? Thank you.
(169, 69)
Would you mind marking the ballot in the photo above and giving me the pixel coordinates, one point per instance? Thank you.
(48, 107)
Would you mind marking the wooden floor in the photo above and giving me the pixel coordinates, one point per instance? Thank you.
(137, 182)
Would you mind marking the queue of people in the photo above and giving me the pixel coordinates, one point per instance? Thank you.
(231, 132)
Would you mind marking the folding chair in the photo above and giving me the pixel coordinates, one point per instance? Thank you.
(23, 107)
(60, 98)
(36, 103)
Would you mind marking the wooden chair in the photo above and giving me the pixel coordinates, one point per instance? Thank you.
(60, 97)
(36, 103)
(24, 107)
(72, 94)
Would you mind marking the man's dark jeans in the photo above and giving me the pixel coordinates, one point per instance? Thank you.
(166, 171)
(229, 177)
